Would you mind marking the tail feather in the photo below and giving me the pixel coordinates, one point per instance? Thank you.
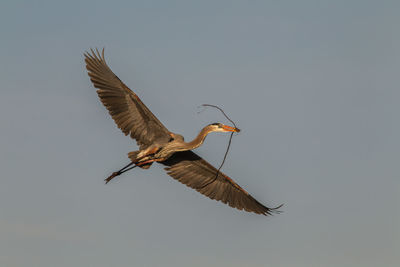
(134, 155)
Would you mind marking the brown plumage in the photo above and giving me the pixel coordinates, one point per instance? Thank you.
(157, 144)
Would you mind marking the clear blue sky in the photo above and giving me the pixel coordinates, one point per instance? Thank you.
(314, 85)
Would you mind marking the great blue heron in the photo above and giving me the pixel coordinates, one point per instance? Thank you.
(157, 144)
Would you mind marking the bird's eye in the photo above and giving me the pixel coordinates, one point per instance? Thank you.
(216, 124)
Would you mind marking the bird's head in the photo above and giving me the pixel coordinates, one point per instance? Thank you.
(219, 127)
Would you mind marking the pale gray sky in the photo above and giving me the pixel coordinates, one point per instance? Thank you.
(314, 85)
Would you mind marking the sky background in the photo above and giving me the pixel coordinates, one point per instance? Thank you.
(314, 86)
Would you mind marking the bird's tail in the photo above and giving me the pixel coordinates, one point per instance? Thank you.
(133, 155)
(134, 158)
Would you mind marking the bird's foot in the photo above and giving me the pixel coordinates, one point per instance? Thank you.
(114, 174)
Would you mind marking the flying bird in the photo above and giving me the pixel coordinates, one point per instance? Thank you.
(158, 144)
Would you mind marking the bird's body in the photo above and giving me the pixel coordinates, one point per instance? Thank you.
(161, 150)
(158, 144)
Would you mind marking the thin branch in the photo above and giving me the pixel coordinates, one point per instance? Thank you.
(227, 149)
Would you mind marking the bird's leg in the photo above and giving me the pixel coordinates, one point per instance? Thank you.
(144, 162)
(149, 161)
(124, 169)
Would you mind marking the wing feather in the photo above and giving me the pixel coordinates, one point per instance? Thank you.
(193, 171)
(124, 106)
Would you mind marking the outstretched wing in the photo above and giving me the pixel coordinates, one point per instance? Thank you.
(193, 171)
(124, 106)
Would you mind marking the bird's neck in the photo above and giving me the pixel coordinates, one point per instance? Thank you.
(198, 141)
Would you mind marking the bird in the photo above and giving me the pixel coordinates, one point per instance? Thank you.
(158, 144)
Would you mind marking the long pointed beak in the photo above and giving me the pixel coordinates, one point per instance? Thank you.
(230, 129)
